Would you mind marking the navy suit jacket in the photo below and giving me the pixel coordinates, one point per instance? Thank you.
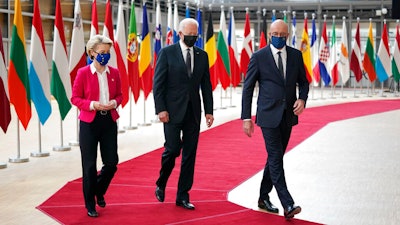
(173, 89)
(275, 93)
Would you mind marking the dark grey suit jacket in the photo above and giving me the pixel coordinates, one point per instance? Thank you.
(275, 93)
(173, 89)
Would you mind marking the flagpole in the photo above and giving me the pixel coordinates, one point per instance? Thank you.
(76, 142)
(382, 95)
(231, 90)
(120, 131)
(144, 113)
(355, 87)
(18, 158)
(61, 148)
(130, 127)
(221, 107)
(39, 153)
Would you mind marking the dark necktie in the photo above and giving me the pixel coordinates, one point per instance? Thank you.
(189, 63)
(280, 64)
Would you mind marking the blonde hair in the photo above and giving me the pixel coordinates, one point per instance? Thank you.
(97, 40)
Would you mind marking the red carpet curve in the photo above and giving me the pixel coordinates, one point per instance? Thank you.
(225, 159)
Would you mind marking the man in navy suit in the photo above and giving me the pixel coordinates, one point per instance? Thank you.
(279, 71)
(181, 71)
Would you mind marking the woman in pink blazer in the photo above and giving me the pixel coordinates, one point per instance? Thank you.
(97, 93)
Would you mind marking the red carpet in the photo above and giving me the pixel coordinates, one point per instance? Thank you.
(226, 158)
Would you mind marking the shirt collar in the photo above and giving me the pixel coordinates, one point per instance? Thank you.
(184, 47)
(275, 50)
(94, 71)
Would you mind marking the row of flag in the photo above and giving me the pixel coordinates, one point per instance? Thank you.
(30, 81)
(332, 61)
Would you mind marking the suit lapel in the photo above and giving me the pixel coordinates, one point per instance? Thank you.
(196, 55)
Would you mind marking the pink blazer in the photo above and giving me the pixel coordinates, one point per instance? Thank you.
(86, 89)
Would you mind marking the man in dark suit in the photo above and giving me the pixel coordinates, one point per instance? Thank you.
(181, 70)
(279, 71)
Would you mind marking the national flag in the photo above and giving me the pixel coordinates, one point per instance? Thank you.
(355, 60)
(133, 55)
(247, 49)
(223, 66)
(369, 56)
(60, 79)
(344, 65)
(120, 50)
(314, 51)
(333, 62)
(176, 22)
(263, 33)
(39, 79)
(273, 15)
(145, 70)
(233, 53)
(211, 50)
(169, 40)
(396, 55)
(18, 80)
(383, 69)
(305, 50)
(77, 58)
(94, 27)
(157, 36)
(187, 13)
(324, 56)
(199, 43)
(294, 41)
(5, 113)
(108, 31)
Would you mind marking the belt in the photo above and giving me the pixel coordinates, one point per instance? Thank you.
(103, 112)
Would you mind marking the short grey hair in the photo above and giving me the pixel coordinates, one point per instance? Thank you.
(97, 40)
(186, 21)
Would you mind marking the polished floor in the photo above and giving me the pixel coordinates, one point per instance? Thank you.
(352, 167)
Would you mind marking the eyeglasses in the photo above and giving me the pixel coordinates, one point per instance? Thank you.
(276, 34)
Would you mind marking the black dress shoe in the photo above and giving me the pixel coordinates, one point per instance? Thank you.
(291, 210)
(185, 204)
(92, 213)
(101, 202)
(160, 194)
(267, 205)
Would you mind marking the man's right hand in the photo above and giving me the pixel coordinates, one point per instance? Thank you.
(248, 127)
(163, 116)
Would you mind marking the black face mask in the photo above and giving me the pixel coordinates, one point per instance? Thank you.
(189, 40)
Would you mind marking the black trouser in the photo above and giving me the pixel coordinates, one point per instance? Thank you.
(276, 141)
(102, 130)
(173, 145)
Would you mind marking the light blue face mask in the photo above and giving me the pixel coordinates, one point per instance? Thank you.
(103, 58)
(278, 42)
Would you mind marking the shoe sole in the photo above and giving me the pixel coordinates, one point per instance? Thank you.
(263, 208)
(294, 212)
(181, 205)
